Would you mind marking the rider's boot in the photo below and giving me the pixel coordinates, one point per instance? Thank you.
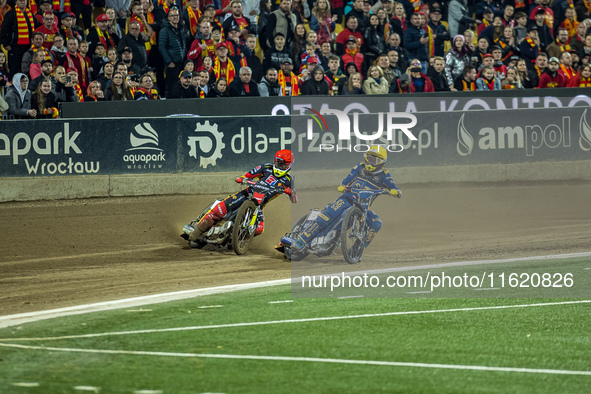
(298, 245)
(201, 228)
(260, 228)
(196, 234)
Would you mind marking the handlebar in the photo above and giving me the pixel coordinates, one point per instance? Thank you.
(264, 185)
(376, 193)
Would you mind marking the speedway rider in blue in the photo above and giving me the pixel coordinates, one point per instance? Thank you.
(369, 174)
(275, 174)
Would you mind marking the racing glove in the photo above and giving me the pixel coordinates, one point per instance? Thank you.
(396, 193)
(341, 189)
(239, 179)
(287, 191)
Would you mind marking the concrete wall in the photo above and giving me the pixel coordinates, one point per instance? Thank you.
(50, 188)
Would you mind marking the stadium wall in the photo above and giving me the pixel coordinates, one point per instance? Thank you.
(80, 158)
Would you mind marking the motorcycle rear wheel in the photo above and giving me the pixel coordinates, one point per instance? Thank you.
(352, 235)
(241, 236)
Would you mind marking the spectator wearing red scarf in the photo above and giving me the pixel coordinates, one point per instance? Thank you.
(15, 34)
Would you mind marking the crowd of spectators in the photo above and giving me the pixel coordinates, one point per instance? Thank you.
(93, 50)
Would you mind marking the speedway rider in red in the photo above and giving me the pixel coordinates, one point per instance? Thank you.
(276, 174)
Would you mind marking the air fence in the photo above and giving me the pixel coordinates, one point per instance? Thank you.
(79, 158)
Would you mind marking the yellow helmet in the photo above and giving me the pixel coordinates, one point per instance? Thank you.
(375, 158)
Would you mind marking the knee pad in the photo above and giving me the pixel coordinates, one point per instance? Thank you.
(217, 212)
(374, 221)
(375, 224)
(213, 216)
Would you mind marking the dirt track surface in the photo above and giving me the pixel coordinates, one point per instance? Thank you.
(65, 253)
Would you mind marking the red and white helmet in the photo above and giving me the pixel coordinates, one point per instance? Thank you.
(282, 162)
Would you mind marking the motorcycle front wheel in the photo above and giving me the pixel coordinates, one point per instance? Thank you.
(241, 235)
(352, 235)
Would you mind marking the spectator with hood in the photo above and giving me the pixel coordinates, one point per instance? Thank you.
(402, 85)
(18, 98)
(317, 84)
(350, 69)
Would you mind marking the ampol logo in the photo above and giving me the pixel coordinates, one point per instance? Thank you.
(388, 122)
(527, 136)
(585, 133)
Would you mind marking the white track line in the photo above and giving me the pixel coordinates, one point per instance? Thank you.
(88, 388)
(23, 318)
(25, 384)
(148, 392)
(306, 320)
(308, 359)
(78, 256)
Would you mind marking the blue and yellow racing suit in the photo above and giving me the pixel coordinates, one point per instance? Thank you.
(359, 178)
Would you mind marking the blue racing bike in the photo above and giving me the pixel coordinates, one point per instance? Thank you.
(349, 230)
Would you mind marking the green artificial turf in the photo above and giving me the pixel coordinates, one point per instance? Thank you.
(537, 337)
